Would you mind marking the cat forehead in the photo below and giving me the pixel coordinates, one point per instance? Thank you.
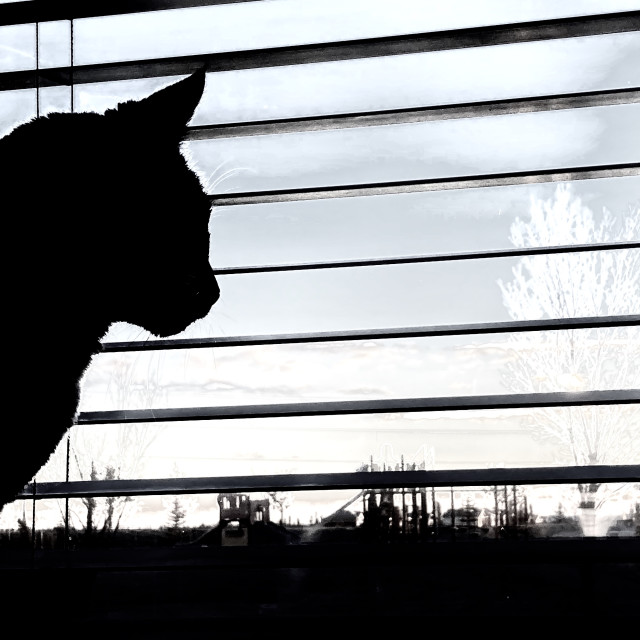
(165, 113)
(110, 129)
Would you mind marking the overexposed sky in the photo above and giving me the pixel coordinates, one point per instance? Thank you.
(273, 23)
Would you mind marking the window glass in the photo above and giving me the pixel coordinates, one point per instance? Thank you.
(492, 364)
(254, 25)
(412, 224)
(541, 511)
(404, 81)
(465, 147)
(439, 440)
(447, 221)
(16, 107)
(55, 99)
(54, 44)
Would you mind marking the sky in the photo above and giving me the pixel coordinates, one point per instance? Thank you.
(346, 228)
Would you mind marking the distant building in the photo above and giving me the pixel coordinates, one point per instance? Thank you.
(239, 507)
(243, 522)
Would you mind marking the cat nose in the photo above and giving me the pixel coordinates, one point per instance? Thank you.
(207, 289)
(215, 290)
(203, 283)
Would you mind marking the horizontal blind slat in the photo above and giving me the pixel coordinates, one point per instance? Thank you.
(334, 481)
(39, 11)
(445, 257)
(396, 405)
(565, 174)
(551, 324)
(486, 108)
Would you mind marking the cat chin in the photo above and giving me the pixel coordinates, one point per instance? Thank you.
(171, 333)
(167, 330)
(164, 317)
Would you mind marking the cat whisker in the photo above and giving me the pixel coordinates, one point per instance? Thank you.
(212, 183)
(139, 334)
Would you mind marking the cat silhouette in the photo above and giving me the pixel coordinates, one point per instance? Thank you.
(106, 222)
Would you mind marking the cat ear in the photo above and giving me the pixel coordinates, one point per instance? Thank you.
(170, 108)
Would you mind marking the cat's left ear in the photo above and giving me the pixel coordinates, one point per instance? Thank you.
(170, 108)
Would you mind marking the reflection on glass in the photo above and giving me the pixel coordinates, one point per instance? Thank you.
(408, 515)
(17, 47)
(466, 147)
(541, 361)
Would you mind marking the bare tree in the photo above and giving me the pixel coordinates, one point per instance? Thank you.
(282, 500)
(593, 283)
(119, 450)
(90, 505)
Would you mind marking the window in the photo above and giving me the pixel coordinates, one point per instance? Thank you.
(426, 229)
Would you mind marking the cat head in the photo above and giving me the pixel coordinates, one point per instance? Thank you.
(112, 198)
(163, 214)
(153, 213)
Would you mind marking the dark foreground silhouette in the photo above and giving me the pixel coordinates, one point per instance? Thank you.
(104, 222)
(259, 591)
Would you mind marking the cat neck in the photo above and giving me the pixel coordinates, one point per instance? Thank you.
(64, 313)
